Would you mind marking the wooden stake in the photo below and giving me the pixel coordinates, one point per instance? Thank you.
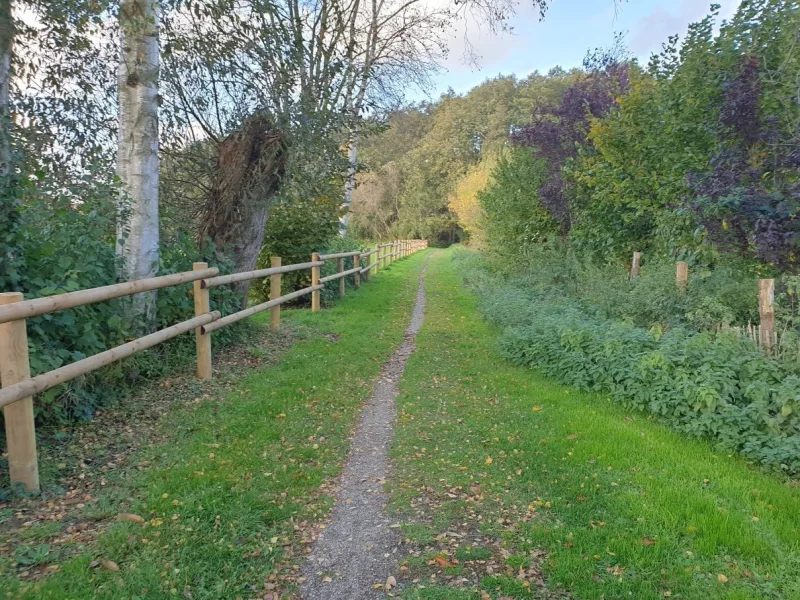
(315, 303)
(637, 257)
(23, 464)
(356, 265)
(275, 292)
(766, 309)
(340, 265)
(682, 275)
(202, 305)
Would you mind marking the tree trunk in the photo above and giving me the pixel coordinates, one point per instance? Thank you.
(137, 153)
(6, 48)
(350, 183)
(246, 251)
(250, 166)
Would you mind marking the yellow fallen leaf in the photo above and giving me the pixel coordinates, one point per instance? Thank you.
(130, 517)
(721, 578)
(390, 582)
(489, 460)
(537, 408)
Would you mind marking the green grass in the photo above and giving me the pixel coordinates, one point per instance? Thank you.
(623, 506)
(240, 470)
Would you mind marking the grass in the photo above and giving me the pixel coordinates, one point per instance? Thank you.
(229, 496)
(622, 506)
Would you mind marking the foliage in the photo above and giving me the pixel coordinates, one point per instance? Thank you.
(296, 229)
(694, 157)
(65, 246)
(702, 152)
(514, 216)
(558, 130)
(719, 386)
(464, 203)
(424, 152)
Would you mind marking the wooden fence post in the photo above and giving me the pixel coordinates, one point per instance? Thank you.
(340, 266)
(315, 303)
(357, 265)
(368, 272)
(202, 305)
(682, 275)
(275, 292)
(637, 258)
(766, 309)
(23, 464)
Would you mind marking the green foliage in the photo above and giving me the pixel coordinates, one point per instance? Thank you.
(423, 153)
(515, 220)
(699, 155)
(715, 298)
(719, 386)
(296, 228)
(63, 246)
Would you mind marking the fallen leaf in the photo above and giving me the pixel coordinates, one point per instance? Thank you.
(721, 578)
(110, 565)
(648, 542)
(489, 460)
(442, 561)
(390, 582)
(130, 517)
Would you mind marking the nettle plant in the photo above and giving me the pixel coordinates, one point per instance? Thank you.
(718, 386)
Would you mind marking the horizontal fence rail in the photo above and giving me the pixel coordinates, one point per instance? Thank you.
(42, 306)
(261, 274)
(19, 388)
(254, 310)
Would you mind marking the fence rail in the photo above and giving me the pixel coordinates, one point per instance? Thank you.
(19, 388)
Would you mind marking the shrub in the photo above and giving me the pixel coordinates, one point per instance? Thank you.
(63, 247)
(712, 385)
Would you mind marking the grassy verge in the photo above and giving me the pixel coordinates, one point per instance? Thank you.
(227, 496)
(495, 466)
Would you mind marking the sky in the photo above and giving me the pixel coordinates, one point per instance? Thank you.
(570, 28)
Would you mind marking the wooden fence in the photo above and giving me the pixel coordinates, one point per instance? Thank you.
(18, 387)
(763, 334)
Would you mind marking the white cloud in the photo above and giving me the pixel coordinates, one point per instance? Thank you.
(649, 32)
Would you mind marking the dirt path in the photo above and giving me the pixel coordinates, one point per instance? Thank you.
(357, 548)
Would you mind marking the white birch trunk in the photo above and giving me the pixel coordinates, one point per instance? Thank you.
(350, 183)
(137, 154)
(6, 48)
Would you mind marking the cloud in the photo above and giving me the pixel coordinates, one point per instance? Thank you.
(651, 31)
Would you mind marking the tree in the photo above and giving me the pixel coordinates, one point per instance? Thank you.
(6, 45)
(137, 155)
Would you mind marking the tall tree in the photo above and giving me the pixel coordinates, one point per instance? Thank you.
(137, 154)
(6, 45)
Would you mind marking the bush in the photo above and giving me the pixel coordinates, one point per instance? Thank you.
(63, 247)
(717, 386)
(295, 230)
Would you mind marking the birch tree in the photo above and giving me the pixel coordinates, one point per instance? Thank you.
(6, 45)
(137, 154)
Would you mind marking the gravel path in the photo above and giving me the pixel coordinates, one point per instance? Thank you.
(356, 549)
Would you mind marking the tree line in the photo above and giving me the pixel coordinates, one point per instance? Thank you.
(693, 156)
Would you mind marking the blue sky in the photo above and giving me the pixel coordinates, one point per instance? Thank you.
(570, 28)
